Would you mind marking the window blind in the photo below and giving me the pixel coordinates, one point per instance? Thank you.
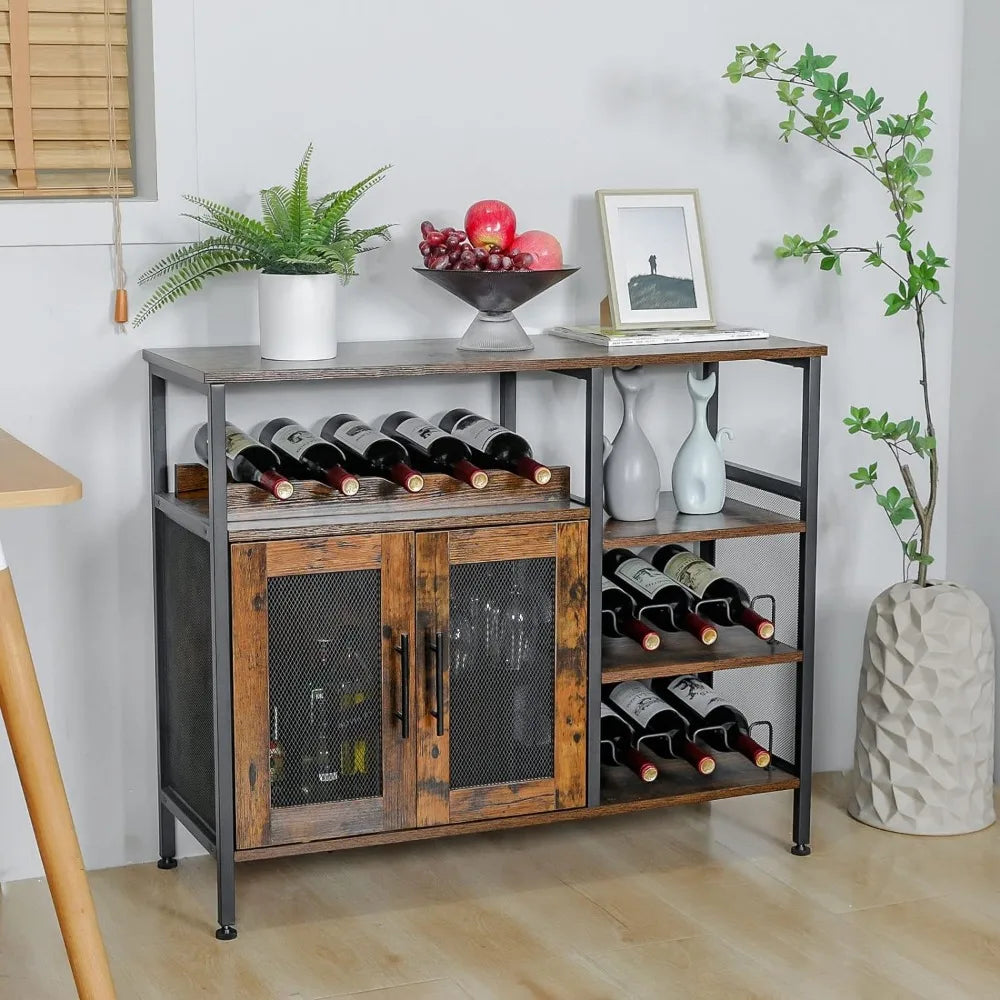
(55, 125)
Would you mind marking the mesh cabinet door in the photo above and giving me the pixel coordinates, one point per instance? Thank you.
(501, 690)
(322, 687)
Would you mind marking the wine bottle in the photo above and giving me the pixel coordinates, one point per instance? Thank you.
(502, 448)
(370, 453)
(726, 727)
(435, 447)
(703, 580)
(324, 770)
(618, 617)
(662, 729)
(249, 461)
(306, 456)
(647, 585)
(276, 752)
(617, 749)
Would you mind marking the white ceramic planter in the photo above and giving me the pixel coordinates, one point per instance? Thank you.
(296, 316)
(923, 760)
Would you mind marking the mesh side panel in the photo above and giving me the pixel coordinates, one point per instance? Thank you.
(765, 564)
(325, 684)
(182, 561)
(502, 672)
(764, 694)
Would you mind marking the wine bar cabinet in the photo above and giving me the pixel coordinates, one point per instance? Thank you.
(337, 672)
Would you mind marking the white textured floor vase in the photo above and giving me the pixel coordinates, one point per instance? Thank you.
(296, 314)
(923, 759)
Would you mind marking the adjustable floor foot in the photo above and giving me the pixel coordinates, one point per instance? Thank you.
(801, 850)
(166, 864)
(226, 933)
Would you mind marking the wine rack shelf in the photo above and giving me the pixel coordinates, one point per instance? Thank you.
(264, 609)
(736, 520)
(679, 784)
(680, 653)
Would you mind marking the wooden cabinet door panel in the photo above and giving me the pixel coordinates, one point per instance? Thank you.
(501, 614)
(319, 627)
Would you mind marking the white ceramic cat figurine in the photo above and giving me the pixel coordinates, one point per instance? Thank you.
(631, 472)
(699, 474)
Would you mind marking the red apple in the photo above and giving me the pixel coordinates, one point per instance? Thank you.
(544, 247)
(490, 225)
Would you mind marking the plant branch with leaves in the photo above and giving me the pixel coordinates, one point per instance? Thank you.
(297, 235)
(891, 149)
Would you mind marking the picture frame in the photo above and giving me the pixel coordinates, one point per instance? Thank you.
(655, 254)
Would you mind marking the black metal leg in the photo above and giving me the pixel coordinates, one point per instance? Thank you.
(807, 607)
(594, 496)
(158, 485)
(508, 400)
(225, 818)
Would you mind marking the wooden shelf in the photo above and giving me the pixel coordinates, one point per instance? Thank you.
(680, 653)
(394, 358)
(679, 784)
(735, 520)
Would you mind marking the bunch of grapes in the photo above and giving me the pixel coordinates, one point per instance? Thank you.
(449, 249)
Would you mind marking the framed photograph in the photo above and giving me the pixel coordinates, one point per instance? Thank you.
(656, 259)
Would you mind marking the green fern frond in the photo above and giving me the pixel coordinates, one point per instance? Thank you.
(300, 211)
(361, 236)
(190, 278)
(335, 206)
(275, 204)
(185, 255)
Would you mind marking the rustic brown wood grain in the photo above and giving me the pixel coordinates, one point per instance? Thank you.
(353, 524)
(324, 555)
(433, 758)
(251, 695)
(495, 801)
(399, 763)
(475, 545)
(571, 667)
(377, 359)
(321, 820)
(621, 797)
(736, 520)
(249, 502)
(680, 653)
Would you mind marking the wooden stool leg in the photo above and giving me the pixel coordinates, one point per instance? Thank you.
(35, 757)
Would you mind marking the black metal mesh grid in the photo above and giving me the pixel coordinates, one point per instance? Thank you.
(502, 672)
(324, 661)
(187, 717)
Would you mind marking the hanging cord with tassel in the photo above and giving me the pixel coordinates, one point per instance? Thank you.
(121, 278)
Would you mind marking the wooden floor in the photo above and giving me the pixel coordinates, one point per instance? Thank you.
(694, 903)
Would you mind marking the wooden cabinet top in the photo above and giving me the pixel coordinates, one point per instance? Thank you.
(387, 358)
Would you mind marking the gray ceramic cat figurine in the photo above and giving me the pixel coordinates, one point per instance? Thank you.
(631, 472)
(698, 478)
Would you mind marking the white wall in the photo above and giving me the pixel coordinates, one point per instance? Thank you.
(974, 484)
(579, 96)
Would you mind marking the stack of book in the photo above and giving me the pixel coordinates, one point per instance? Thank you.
(609, 337)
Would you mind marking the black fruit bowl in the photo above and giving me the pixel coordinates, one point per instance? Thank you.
(496, 294)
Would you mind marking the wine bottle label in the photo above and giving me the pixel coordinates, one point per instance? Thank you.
(646, 579)
(693, 572)
(294, 440)
(420, 432)
(607, 710)
(637, 701)
(237, 441)
(607, 584)
(477, 431)
(357, 435)
(697, 694)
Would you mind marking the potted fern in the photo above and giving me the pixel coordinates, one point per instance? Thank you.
(302, 247)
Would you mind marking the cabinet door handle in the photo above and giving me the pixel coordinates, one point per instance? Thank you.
(404, 661)
(438, 647)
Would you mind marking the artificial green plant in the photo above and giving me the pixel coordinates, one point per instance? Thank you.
(892, 149)
(297, 235)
